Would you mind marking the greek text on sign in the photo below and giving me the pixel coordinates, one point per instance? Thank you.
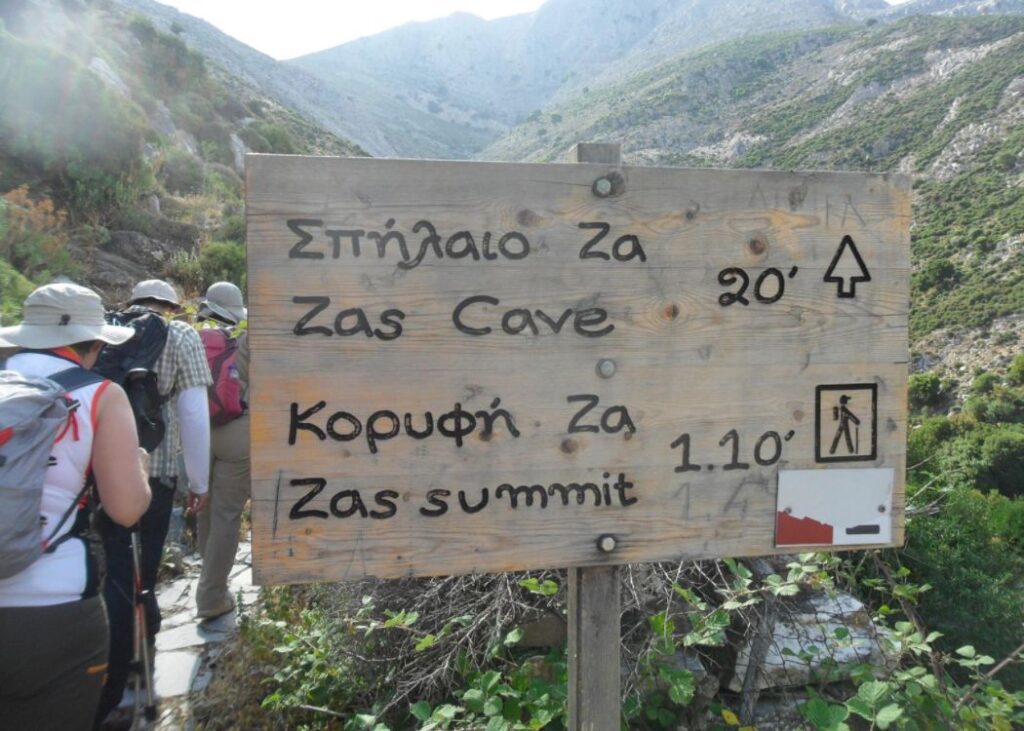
(463, 367)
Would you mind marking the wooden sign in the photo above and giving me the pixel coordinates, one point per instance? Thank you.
(477, 367)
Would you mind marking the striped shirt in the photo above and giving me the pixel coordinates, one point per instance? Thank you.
(182, 365)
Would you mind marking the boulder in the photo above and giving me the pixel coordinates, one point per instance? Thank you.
(161, 120)
(238, 149)
(102, 69)
(127, 257)
(834, 632)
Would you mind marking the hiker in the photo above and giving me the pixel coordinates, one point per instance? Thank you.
(182, 378)
(53, 627)
(219, 524)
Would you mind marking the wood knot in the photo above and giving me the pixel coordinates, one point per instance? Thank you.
(757, 245)
(569, 445)
(527, 218)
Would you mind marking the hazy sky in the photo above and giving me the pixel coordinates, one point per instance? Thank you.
(289, 28)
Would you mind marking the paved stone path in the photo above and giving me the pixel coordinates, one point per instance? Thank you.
(186, 648)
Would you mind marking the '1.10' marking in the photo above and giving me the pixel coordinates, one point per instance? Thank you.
(767, 451)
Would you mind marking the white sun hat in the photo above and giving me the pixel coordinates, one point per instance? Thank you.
(155, 289)
(62, 314)
(224, 300)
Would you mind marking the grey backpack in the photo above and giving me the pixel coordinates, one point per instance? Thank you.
(33, 414)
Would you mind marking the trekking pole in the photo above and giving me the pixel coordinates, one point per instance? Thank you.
(142, 663)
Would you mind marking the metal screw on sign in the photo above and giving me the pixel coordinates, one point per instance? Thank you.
(606, 543)
(606, 368)
(881, 508)
(602, 187)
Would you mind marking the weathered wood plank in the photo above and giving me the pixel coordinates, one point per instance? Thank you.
(739, 375)
(595, 689)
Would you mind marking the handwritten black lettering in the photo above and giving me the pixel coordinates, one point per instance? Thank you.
(298, 421)
(457, 314)
(374, 435)
(391, 318)
(518, 320)
(389, 235)
(575, 487)
(334, 434)
(336, 235)
(319, 305)
(512, 245)
(461, 423)
(467, 508)
(297, 512)
(591, 317)
(383, 425)
(385, 499)
(602, 229)
(590, 402)
(528, 491)
(436, 498)
(298, 250)
(488, 419)
(355, 504)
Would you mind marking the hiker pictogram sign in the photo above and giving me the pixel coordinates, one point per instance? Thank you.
(846, 422)
(462, 367)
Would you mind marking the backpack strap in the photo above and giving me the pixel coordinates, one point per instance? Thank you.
(70, 380)
(75, 377)
(48, 547)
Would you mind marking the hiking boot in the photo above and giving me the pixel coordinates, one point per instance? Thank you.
(208, 614)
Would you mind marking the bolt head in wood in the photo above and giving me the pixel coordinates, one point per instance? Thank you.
(602, 187)
(881, 508)
(606, 368)
(606, 543)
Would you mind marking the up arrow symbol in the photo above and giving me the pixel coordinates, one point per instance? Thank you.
(847, 268)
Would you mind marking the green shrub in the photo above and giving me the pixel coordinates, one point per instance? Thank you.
(269, 137)
(168, 63)
(984, 383)
(1008, 520)
(216, 262)
(1000, 406)
(1015, 376)
(1002, 454)
(925, 391)
(925, 442)
(977, 596)
(14, 288)
(937, 274)
(182, 172)
(232, 229)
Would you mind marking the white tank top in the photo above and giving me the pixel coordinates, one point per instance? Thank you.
(64, 575)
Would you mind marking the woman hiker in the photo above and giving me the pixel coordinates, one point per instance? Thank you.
(53, 626)
(219, 524)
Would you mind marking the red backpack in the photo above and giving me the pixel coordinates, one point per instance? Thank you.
(226, 392)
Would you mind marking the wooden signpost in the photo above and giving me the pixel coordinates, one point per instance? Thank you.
(479, 367)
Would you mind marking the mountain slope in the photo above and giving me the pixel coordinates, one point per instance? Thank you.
(122, 150)
(481, 77)
(941, 98)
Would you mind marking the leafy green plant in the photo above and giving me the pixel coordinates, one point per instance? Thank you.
(216, 262)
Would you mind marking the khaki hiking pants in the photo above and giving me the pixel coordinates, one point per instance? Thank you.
(218, 525)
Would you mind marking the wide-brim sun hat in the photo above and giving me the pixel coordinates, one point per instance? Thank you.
(224, 299)
(62, 314)
(155, 289)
